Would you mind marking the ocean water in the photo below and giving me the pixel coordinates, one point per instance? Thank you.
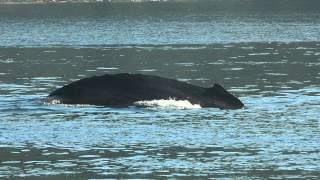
(265, 53)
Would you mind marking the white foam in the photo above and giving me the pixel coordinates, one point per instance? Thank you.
(57, 101)
(162, 103)
(148, 70)
(7, 61)
(259, 54)
(168, 103)
(51, 101)
(107, 68)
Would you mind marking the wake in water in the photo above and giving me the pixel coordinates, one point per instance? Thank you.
(51, 101)
(168, 103)
(161, 103)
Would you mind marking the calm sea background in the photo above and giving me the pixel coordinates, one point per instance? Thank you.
(265, 52)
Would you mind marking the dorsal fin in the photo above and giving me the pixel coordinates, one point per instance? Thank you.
(216, 89)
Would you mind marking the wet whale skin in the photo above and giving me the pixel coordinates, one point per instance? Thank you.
(122, 90)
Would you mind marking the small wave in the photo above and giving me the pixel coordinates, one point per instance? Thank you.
(259, 54)
(107, 68)
(57, 101)
(276, 74)
(233, 69)
(186, 64)
(51, 101)
(168, 103)
(7, 61)
(147, 70)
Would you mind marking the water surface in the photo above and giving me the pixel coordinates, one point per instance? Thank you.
(268, 57)
(159, 23)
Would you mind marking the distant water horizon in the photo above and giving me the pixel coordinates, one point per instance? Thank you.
(159, 23)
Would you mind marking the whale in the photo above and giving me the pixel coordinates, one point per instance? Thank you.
(123, 90)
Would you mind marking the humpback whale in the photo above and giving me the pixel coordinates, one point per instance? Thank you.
(123, 90)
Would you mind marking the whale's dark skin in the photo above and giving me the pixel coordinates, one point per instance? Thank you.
(122, 90)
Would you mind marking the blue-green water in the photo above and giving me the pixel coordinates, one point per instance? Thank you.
(160, 23)
(267, 55)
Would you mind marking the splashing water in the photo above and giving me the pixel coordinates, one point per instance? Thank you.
(168, 103)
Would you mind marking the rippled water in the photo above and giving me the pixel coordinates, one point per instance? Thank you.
(276, 136)
(160, 23)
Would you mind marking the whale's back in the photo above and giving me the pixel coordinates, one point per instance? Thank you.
(125, 89)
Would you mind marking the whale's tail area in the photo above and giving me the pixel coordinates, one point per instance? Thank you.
(219, 96)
